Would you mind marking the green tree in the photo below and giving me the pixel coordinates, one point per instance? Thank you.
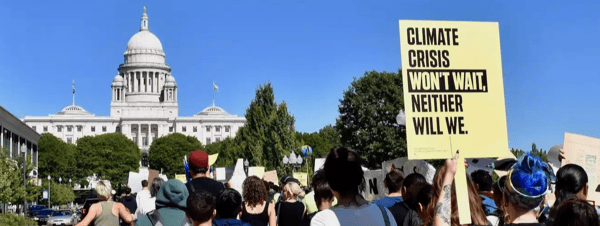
(367, 121)
(110, 156)
(167, 153)
(269, 133)
(11, 179)
(58, 159)
(229, 152)
(60, 194)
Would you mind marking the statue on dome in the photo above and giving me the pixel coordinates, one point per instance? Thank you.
(144, 9)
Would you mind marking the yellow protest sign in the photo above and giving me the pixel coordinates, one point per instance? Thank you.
(302, 177)
(181, 177)
(453, 89)
(258, 171)
(453, 93)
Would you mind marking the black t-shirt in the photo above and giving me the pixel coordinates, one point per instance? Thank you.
(207, 184)
(525, 224)
(290, 213)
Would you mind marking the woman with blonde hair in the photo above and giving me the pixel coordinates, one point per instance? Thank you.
(106, 212)
(290, 211)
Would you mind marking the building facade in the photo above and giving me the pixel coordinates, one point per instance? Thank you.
(144, 103)
(16, 136)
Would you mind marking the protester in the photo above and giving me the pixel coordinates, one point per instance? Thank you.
(284, 180)
(483, 182)
(415, 190)
(346, 179)
(255, 209)
(322, 196)
(443, 208)
(575, 212)
(393, 182)
(525, 189)
(106, 212)
(571, 183)
(129, 202)
(497, 218)
(229, 207)
(146, 198)
(201, 208)
(200, 163)
(171, 206)
(289, 210)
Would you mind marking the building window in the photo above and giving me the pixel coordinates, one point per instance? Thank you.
(183, 129)
(33, 127)
(227, 129)
(59, 129)
(208, 129)
(70, 140)
(79, 128)
(93, 129)
(217, 139)
(170, 129)
(208, 140)
(145, 141)
(45, 129)
(195, 129)
(104, 129)
(118, 129)
(218, 129)
(69, 128)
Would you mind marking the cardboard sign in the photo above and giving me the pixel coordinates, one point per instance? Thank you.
(375, 188)
(271, 176)
(410, 166)
(453, 93)
(151, 175)
(180, 177)
(135, 179)
(319, 162)
(584, 151)
(258, 171)
(302, 177)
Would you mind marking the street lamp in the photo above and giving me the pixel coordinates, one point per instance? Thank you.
(49, 203)
(401, 119)
(24, 150)
(292, 160)
(246, 164)
(60, 180)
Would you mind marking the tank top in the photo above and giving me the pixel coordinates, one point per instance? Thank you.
(261, 219)
(106, 217)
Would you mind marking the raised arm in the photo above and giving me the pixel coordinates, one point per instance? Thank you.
(442, 206)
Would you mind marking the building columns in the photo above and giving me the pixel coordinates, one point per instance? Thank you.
(139, 135)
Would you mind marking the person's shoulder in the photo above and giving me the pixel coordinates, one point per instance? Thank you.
(325, 218)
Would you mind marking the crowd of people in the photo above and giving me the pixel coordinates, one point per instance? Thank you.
(335, 198)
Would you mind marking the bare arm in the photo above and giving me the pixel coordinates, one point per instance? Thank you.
(442, 206)
(272, 215)
(124, 213)
(90, 215)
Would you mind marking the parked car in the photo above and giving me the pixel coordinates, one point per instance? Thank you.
(42, 216)
(62, 217)
(34, 209)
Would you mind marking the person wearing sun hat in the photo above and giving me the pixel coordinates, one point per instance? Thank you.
(200, 170)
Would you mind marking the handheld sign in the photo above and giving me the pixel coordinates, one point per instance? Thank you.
(453, 93)
(584, 151)
(187, 169)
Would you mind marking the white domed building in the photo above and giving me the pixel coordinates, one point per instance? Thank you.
(144, 103)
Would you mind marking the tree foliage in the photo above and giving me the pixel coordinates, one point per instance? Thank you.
(110, 156)
(367, 121)
(11, 179)
(60, 193)
(543, 154)
(167, 153)
(58, 159)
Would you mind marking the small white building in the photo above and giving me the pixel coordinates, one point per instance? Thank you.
(144, 103)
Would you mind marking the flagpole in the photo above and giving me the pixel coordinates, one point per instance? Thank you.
(213, 93)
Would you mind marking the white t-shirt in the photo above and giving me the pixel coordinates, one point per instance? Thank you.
(364, 215)
(145, 204)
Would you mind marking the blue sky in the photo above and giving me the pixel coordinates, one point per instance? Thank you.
(309, 50)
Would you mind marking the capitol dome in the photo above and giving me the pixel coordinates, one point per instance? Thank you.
(73, 110)
(144, 42)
